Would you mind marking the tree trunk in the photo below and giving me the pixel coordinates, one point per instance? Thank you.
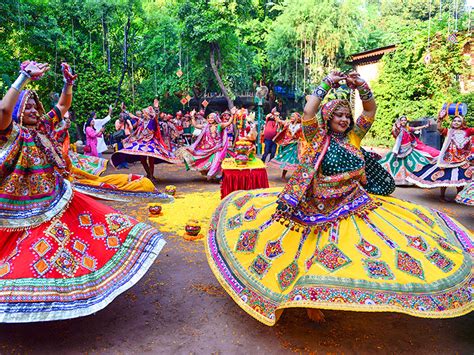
(219, 62)
(125, 56)
(106, 42)
(213, 47)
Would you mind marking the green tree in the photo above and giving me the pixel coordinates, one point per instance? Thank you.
(211, 27)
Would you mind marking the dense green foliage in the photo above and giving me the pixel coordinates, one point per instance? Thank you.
(131, 50)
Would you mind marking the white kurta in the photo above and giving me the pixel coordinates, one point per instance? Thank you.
(98, 124)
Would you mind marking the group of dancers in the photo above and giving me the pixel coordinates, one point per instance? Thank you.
(332, 238)
(411, 162)
(156, 137)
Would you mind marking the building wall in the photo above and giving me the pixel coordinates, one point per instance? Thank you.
(370, 73)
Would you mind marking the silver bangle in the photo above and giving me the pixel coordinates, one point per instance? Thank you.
(320, 92)
(21, 81)
(67, 89)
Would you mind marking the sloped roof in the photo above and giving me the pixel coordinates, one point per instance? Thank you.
(372, 56)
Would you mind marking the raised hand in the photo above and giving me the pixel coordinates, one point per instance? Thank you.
(333, 78)
(156, 103)
(69, 78)
(34, 70)
(353, 80)
(442, 114)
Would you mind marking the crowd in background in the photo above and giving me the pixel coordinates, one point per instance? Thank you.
(178, 129)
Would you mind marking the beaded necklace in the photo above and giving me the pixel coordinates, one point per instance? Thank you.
(339, 137)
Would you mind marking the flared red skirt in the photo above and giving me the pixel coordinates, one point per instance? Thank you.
(74, 264)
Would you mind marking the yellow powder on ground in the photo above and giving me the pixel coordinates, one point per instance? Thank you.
(196, 205)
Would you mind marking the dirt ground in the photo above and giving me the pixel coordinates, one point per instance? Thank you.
(179, 308)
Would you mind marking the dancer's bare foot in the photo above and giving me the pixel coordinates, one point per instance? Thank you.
(444, 199)
(315, 315)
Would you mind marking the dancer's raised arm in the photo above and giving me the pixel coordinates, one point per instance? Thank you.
(28, 71)
(314, 100)
(309, 122)
(354, 81)
(65, 99)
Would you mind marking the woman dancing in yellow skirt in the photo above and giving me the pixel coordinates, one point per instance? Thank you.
(328, 242)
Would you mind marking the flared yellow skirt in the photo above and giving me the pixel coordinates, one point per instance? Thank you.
(118, 181)
(400, 257)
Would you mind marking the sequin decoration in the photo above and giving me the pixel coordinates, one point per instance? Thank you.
(379, 233)
(59, 231)
(234, 222)
(4, 269)
(41, 247)
(65, 263)
(423, 217)
(113, 242)
(89, 262)
(364, 122)
(85, 220)
(288, 275)
(408, 264)
(251, 214)
(247, 240)
(368, 249)
(443, 243)
(241, 201)
(258, 303)
(378, 269)
(332, 258)
(99, 231)
(273, 249)
(79, 246)
(117, 222)
(333, 234)
(41, 267)
(260, 266)
(417, 243)
(440, 260)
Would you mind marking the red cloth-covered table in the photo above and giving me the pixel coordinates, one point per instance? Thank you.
(249, 177)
